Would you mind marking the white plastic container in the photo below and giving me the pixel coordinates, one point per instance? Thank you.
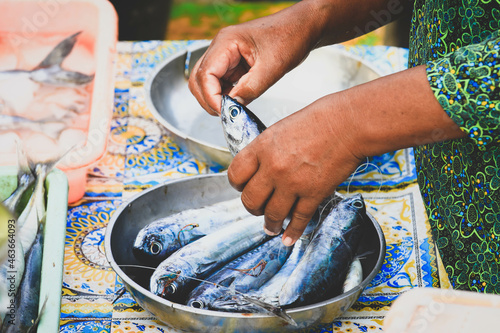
(433, 310)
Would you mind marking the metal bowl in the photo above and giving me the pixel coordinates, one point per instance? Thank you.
(198, 191)
(326, 70)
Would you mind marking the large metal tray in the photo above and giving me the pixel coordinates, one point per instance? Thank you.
(198, 191)
(326, 70)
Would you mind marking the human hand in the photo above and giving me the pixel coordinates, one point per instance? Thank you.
(295, 164)
(244, 60)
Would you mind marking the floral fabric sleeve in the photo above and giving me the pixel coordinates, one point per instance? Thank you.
(467, 85)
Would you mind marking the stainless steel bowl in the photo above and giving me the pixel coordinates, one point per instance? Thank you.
(326, 70)
(199, 191)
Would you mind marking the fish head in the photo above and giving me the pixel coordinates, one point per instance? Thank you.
(199, 303)
(152, 247)
(240, 125)
(167, 285)
(230, 303)
(355, 203)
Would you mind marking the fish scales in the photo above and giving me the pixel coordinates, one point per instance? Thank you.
(268, 292)
(159, 239)
(174, 277)
(323, 268)
(247, 272)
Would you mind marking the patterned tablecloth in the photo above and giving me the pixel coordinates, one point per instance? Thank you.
(140, 155)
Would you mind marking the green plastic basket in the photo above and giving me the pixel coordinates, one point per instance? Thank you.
(56, 187)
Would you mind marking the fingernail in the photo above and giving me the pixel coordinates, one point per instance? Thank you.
(239, 99)
(288, 241)
(269, 232)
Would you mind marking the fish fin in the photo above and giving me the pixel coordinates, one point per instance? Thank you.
(363, 255)
(59, 52)
(206, 266)
(351, 229)
(274, 310)
(227, 281)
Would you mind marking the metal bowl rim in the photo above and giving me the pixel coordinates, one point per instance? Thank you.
(129, 282)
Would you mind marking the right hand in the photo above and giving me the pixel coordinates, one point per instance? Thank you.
(246, 59)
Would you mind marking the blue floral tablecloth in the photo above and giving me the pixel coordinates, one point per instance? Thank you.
(140, 154)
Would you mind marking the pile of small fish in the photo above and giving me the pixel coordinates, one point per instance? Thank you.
(30, 123)
(233, 266)
(219, 258)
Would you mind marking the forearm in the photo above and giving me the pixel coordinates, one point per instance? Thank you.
(334, 21)
(396, 111)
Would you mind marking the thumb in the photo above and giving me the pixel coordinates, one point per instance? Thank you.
(254, 83)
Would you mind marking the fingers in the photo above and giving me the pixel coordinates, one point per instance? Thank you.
(255, 195)
(254, 83)
(276, 210)
(301, 215)
(244, 165)
(260, 197)
(207, 78)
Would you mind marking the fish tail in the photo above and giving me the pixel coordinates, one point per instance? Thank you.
(274, 310)
(363, 255)
(59, 52)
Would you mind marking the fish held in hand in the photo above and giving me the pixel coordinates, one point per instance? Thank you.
(240, 125)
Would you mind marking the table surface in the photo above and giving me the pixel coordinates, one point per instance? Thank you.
(140, 155)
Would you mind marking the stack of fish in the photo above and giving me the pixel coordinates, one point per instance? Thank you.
(234, 266)
(218, 258)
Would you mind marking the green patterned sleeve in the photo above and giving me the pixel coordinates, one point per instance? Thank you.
(467, 85)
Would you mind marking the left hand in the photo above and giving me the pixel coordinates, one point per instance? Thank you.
(295, 164)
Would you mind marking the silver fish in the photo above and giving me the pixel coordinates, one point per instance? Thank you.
(174, 277)
(240, 125)
(51, 128)
(28, 293)
(159, 239)
(49, 71)
(322, 270)
(245, 273)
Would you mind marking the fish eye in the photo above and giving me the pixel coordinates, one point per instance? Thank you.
(155, 248)
(197, 304)
(171, 289)
(234, 111)
(357, 204)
